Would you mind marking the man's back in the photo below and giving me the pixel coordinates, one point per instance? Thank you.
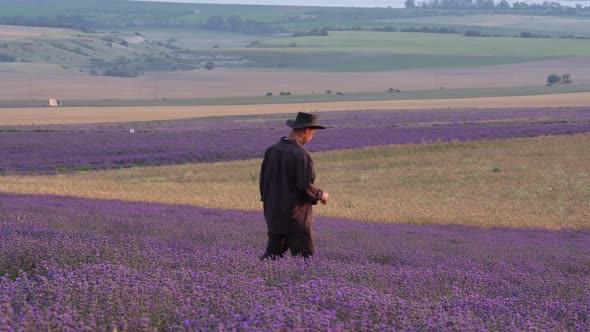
(286, 186)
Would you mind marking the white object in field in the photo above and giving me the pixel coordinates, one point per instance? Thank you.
(132, 131)
(54, 102)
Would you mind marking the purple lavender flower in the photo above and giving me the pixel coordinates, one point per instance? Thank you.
(63, 148)
(78, 264)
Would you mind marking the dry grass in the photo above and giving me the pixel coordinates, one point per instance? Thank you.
(533, 182)
(70, 115)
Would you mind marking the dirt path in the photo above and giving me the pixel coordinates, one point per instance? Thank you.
(27, 116)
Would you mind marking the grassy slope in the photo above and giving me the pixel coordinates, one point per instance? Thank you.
(341, 51)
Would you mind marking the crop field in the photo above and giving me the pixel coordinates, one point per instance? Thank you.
(437, 44)
(459, 181)
(8, 32)
(106, 265)
(508, 172)
(49, 82)
(476, 210)
(563, 25)
(72, 115)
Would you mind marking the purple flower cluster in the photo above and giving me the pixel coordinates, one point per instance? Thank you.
(62, 148)
(75, 264)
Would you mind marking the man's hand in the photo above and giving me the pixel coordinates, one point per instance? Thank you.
(325, 198)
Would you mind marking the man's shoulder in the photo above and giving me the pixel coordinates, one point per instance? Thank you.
(287, 146)
(276, 145)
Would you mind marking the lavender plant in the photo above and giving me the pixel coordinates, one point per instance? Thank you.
(76, 264)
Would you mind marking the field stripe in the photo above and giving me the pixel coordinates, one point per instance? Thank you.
(28, 116)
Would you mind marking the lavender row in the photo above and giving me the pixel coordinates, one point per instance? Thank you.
(51, 152)
(76, 264)
(343, 119)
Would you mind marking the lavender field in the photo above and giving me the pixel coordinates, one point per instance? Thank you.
(64, 148)
(75, 264)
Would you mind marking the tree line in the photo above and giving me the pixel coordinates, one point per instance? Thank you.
(546, 8)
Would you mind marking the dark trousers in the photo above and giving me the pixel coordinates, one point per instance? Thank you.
(300, 244)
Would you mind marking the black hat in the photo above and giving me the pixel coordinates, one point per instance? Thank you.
(305, 120)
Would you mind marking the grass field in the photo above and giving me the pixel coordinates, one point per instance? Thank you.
(533, 182)
(436, 44)
(558, 25)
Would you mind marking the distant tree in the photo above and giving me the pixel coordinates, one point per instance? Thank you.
(328, 91)
(215, 22)
(410, 4)
(7, 58)
(269, 94)
(566, 79)
(503, 5)
(553, 79)
(235, 22)
(473, 33)
(209, 65)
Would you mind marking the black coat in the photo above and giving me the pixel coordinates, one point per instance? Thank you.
(286, 187)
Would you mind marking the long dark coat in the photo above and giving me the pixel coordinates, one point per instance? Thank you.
(286, 187)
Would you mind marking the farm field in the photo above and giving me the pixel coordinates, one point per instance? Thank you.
(458, 175)
(8, 32)
(523, 180)
(436, 44)
(73, 115)
(51, 82)
(563, 25)
(105, 265)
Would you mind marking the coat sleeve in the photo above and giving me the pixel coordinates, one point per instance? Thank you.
(262, 175)
(305, 177)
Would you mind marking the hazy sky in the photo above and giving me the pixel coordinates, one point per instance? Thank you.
(331, 3)
(346, 3)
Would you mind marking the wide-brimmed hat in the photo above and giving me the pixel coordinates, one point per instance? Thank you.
(305, 120)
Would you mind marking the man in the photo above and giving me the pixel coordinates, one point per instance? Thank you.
(287, 190)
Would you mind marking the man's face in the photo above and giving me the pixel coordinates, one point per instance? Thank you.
(308, 134)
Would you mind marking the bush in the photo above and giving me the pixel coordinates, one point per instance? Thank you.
(209, 65)
(553, 79)
(7, 58)
(269, 94)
